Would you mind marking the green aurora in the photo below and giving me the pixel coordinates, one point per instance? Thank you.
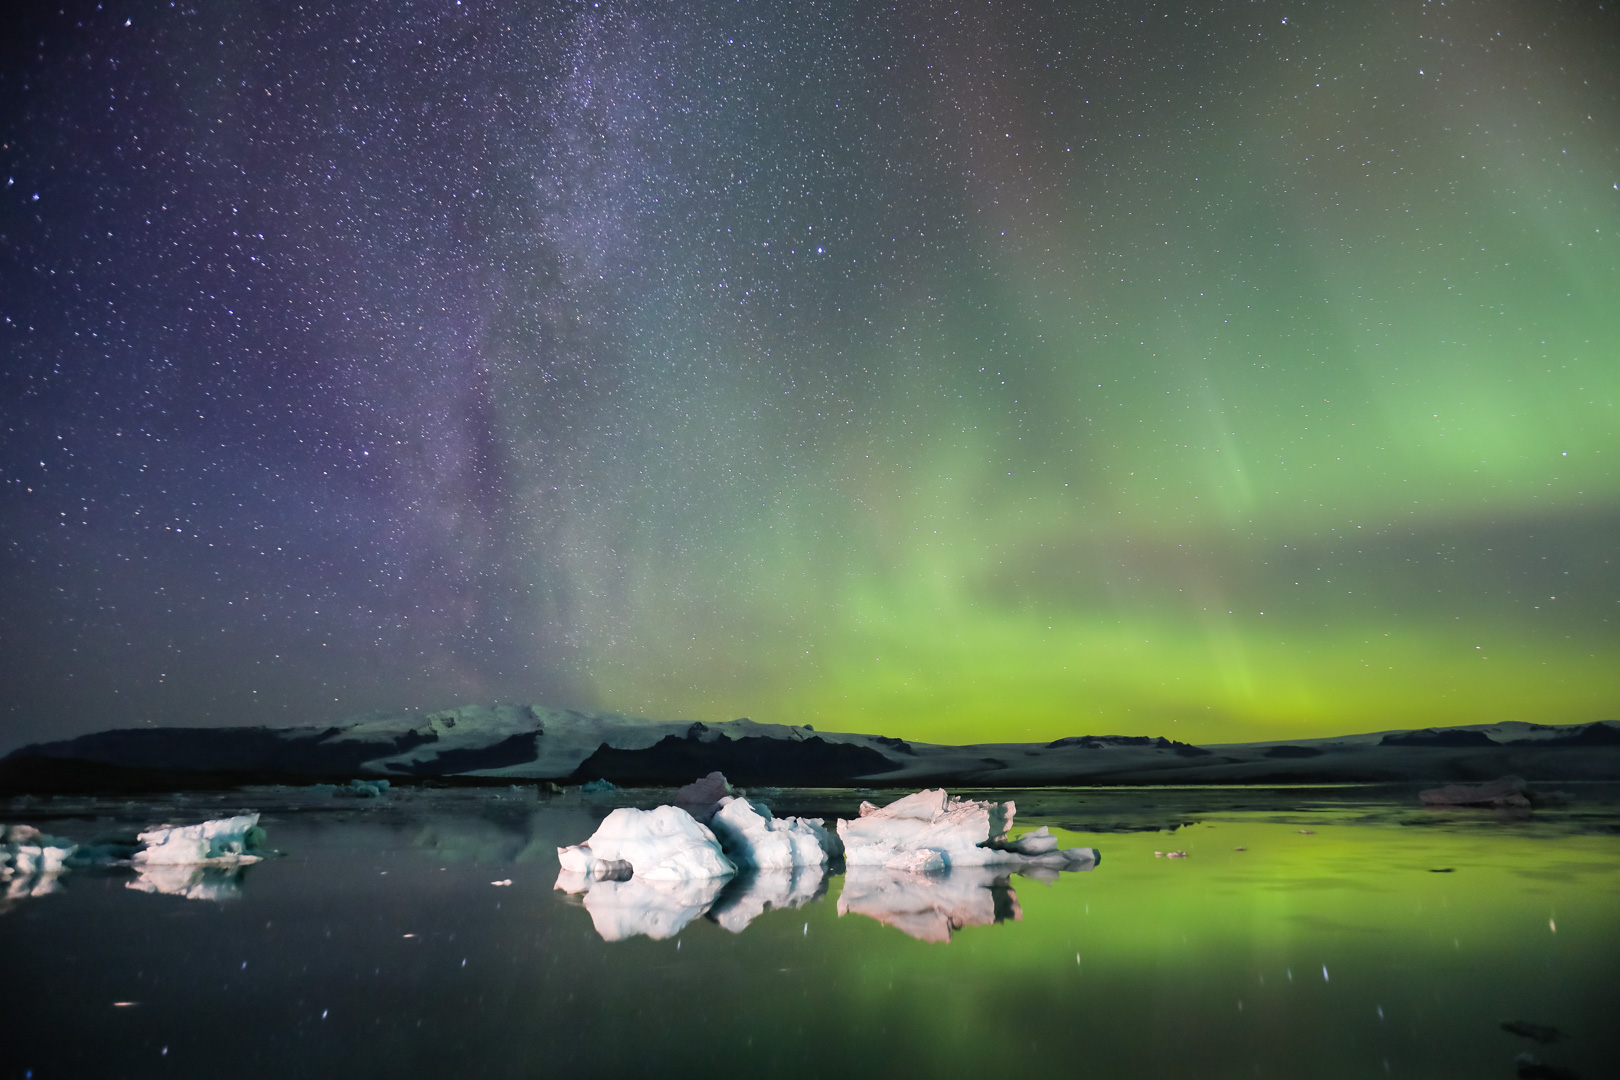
(1289, 412)
(1000, 372)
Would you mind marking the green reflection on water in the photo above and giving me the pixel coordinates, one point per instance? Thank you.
(379, 945)
(1325, 953)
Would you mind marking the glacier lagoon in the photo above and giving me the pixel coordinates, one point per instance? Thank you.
(1308, 931)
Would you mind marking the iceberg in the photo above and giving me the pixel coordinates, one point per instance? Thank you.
(753, 892)
(753, 838)
(223, 841)
(31, 861)
(666, 844)
(930, 831)
(930, 907)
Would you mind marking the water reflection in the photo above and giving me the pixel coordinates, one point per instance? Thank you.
(753, 892)
(637, 906)
(193, 882)
(930, 907)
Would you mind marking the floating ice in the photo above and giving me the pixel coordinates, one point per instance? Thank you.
(31, 861)
(365, 789)
(752, 837)
(221, 841)
(930, 907)
(666, 844)
(1506, 791)
(930, 831)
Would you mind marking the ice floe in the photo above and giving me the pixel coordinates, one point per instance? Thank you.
(665, 844)
(927, 863)
(930, 831)
(31, 861)
(222, 841)
(752, 837)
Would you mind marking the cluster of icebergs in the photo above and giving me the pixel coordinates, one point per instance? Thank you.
(199, 862)
(927, 864)
(31, 861)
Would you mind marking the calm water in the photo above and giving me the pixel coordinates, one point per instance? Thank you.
(377, 944)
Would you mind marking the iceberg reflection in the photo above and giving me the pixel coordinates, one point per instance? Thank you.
(194, 882)
(932, 907)
(659, 909)
(656, 908)
(753, 892)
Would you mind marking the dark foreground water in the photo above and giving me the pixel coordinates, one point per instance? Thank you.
(1308, 932)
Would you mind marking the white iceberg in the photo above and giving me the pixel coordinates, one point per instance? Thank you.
(930, 907)
(224, 841)
(31, 861)
(930, 831)
(655, 908)
(665, 844)
(752, 893)
(753, 838)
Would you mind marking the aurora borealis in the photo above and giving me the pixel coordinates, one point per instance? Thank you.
(955, 371)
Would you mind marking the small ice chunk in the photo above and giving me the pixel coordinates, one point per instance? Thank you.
(1505, 791)
(1038, 842)
(31, 861)
(221, 841)
(752, 837)
(577, 859)
(665, 844)
(364, 789)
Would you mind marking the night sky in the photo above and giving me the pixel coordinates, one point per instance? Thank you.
(959, 371)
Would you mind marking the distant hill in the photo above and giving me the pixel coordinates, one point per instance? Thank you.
(504, 743)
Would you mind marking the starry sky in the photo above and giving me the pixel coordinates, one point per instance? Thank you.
(961, 371)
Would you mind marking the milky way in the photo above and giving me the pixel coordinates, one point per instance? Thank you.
(956, 371)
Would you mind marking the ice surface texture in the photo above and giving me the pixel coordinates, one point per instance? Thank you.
(930, 831)
(218, 842)
(666, 844)
(752, 837)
